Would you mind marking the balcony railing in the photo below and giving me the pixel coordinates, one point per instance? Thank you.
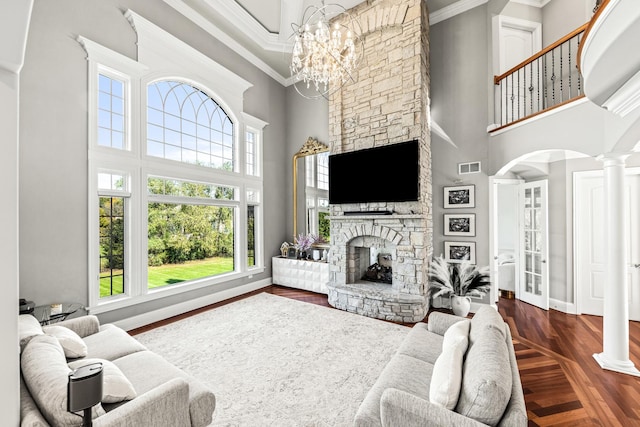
(547, 80)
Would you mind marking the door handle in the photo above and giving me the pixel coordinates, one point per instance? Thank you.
(636, 265)
(544, 261)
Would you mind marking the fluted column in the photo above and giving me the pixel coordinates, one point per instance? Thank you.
(615, 356)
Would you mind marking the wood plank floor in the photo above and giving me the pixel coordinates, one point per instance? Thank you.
(563, 384)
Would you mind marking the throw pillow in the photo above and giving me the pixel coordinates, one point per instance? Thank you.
(46, 374)
(71, 342)
(446, 378)
(457, 330)
(28, 327)
(115, 386)
(487, 378)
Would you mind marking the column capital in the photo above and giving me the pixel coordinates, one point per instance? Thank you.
(613, 159)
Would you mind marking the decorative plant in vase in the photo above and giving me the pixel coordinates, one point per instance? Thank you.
(459, 281)
(303, 242)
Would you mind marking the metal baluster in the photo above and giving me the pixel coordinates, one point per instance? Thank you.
(512, 95)
(546, 85)
(579, 75)
(531, 85)
(539, 61)
(561, 76)
(570, 68)
(553, 78)
(518, 98)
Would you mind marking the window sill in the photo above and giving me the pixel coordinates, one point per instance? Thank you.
(154, 294)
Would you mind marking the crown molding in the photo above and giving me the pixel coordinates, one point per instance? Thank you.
(224, 38)
(453, 10)
(243, 21)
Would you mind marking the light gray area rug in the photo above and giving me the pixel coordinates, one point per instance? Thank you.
(273, 361)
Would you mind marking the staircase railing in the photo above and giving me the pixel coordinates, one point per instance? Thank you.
(546, 80)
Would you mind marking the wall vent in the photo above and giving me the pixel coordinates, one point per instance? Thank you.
(467, 168)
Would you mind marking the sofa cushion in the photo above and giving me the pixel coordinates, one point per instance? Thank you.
(486, 377)
(71, 342)
(45, 372)
(447, 373)
(137, 366)
(485, 317)
(28, 327)
(115, 386)
(403, 373)
(422, 344)
(111, 343)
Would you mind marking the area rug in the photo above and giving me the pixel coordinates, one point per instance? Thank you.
(273, 361)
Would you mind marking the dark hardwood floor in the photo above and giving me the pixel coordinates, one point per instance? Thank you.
(563, 384)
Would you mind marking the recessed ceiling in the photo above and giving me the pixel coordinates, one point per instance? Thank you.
(260, 30)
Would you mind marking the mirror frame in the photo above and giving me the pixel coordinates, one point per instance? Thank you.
(309, 148)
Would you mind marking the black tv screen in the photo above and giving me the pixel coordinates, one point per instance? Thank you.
(381, 174)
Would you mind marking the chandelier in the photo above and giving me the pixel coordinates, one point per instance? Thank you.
(325, 56)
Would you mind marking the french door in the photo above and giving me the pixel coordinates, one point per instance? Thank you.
(534, 248)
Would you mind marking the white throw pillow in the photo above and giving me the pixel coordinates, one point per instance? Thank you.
(458, 329)
(28, 327)
(446, 378)
(71, 342)
(115, 386)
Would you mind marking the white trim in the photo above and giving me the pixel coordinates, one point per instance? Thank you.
(194, 304)
(541, 116)
(534, 3)
(453, 10)
(563, 306)
(224, 38)
(243, 20)
(626, 99)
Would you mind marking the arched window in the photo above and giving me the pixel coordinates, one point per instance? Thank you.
(186, 125)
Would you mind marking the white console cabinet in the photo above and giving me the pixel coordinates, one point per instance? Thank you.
(301, 274)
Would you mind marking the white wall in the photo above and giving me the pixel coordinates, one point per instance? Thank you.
(14, 24)
(560, 17)
(508, 219)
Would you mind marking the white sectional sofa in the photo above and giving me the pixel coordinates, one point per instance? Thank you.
(449, 372)
(140, 387)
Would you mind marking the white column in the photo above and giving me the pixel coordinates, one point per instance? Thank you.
(615, 356)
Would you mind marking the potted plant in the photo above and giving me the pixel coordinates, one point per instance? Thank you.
(303, 242)
(459, 281)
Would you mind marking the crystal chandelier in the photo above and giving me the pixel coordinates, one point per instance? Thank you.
(325, 56)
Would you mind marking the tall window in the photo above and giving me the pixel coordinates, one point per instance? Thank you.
(111, 113)
(252, 153)
(186, 125)
(112, 224)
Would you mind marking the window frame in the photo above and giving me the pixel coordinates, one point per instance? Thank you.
(137, 165)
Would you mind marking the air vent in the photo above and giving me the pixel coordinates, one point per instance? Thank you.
(467, 168)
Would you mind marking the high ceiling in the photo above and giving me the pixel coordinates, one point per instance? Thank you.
(260, 30)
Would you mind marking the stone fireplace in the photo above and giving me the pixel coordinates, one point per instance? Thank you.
(387, 104)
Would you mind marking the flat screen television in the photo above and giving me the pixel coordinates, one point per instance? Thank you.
(382, 174)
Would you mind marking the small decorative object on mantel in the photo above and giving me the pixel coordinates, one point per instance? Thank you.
(284, 249)
(459, 281)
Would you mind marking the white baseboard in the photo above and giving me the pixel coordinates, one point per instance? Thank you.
(563, 306)
(194, 304)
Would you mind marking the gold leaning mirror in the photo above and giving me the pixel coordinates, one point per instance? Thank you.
(311, 147)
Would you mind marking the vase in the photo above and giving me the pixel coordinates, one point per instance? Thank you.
(460, 305)
(316, 254)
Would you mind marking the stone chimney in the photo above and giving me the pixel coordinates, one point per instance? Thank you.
(387, 104)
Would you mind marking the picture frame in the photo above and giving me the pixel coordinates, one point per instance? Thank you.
(460, 196)
(460, 225)
(456, 252)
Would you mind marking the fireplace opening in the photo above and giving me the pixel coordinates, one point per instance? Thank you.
(380, 271)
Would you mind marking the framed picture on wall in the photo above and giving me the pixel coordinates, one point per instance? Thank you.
(459, 224)
(460, 251)
(461, 196)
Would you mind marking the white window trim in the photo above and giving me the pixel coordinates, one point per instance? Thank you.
(227, 89)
